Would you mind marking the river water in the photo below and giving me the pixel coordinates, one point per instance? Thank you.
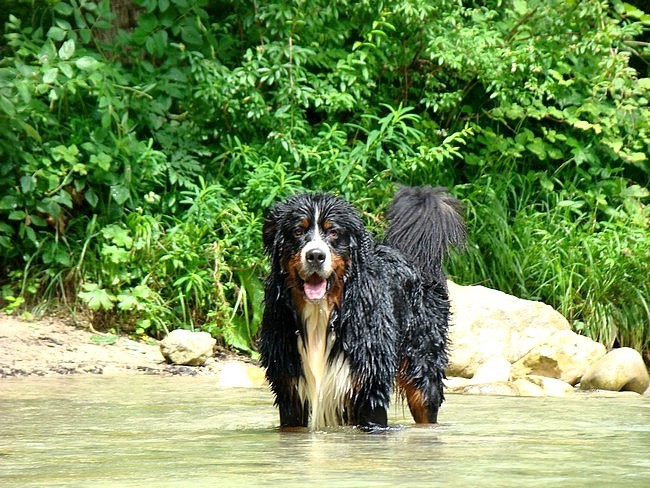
(169, 432)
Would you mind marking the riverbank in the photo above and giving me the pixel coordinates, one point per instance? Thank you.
(53, 346)
(56, 347)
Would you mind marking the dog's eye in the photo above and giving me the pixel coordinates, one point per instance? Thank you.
(298, 232)
(332, 234)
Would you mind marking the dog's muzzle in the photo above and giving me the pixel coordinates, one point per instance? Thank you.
(316, 263)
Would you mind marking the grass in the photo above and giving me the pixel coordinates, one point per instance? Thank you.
(593, 272)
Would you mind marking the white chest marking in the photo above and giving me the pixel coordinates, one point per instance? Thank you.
(325, 384)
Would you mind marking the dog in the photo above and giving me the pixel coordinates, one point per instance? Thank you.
(347, 319)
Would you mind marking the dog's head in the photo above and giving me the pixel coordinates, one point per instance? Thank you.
(312, 239)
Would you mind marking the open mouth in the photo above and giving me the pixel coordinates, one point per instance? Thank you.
(315, 287)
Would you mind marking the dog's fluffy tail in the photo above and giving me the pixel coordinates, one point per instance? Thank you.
(423, 224)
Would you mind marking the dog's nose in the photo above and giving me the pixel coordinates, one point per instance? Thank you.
(315, 256)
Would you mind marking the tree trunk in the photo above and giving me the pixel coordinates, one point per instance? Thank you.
(126, 18)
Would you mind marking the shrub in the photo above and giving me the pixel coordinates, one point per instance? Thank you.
(139, 155)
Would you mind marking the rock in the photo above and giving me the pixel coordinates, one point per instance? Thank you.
(529, 386)
(551, 386)
(235, 374)
(492, 370)
(524, 387)
(565, 356)
(503, 388)
(619, 370)
(454, 384)
(189, 348)
(488, 323)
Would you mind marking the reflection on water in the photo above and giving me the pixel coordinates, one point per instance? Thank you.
(96, 431)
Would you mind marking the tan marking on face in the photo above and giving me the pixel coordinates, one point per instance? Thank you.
(339, 266)
(295, 282)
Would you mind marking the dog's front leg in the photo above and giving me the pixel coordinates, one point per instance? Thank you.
(371, 418)
(293, 413)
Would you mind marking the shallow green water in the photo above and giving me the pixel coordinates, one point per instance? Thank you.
(158, 432)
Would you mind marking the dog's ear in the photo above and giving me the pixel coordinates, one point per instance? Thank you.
(271, 235)
(360, 246)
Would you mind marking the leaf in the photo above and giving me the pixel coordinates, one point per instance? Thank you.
(635, 191)
(117, 255)
(546, 183)
(118, 236)
(17, 215)
(49, 76)
(55, 254)
(96, 298)
(49, 206)
(582, 124)
(68, 154)
(537, 148)
(190, 32)
(30, 131)
(127, 301)
(63, 8)
(9, 202)
(56, 33)
(635, 157)
(520, 6)
(572, 204)
(27, 183)
(7, 106)
(102, 160)
(91, 197)
(87, 63)
(67, 49)
(120, 194)
(86, 34)
(104, 339)
(156, 44)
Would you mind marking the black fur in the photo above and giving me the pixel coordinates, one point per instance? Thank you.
(390, 323)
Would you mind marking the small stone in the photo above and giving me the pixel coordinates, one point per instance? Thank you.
(185, 347)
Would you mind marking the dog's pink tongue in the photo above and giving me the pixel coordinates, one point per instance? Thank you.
(315, 288)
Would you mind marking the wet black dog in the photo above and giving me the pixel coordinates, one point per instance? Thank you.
(347, 319)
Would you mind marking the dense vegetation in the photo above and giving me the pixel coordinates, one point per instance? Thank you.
(142, 140)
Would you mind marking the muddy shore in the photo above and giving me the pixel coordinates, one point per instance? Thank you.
(52, 346)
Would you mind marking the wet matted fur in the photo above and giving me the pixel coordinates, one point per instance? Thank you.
(348, 319)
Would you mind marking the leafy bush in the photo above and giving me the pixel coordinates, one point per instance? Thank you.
(140, 152)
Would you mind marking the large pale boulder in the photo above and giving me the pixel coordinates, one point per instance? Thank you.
(620, 369)
(564, 356)
(488, 323)
(187, 347)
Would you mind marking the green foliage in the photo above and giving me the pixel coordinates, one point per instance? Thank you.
(138, 158)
